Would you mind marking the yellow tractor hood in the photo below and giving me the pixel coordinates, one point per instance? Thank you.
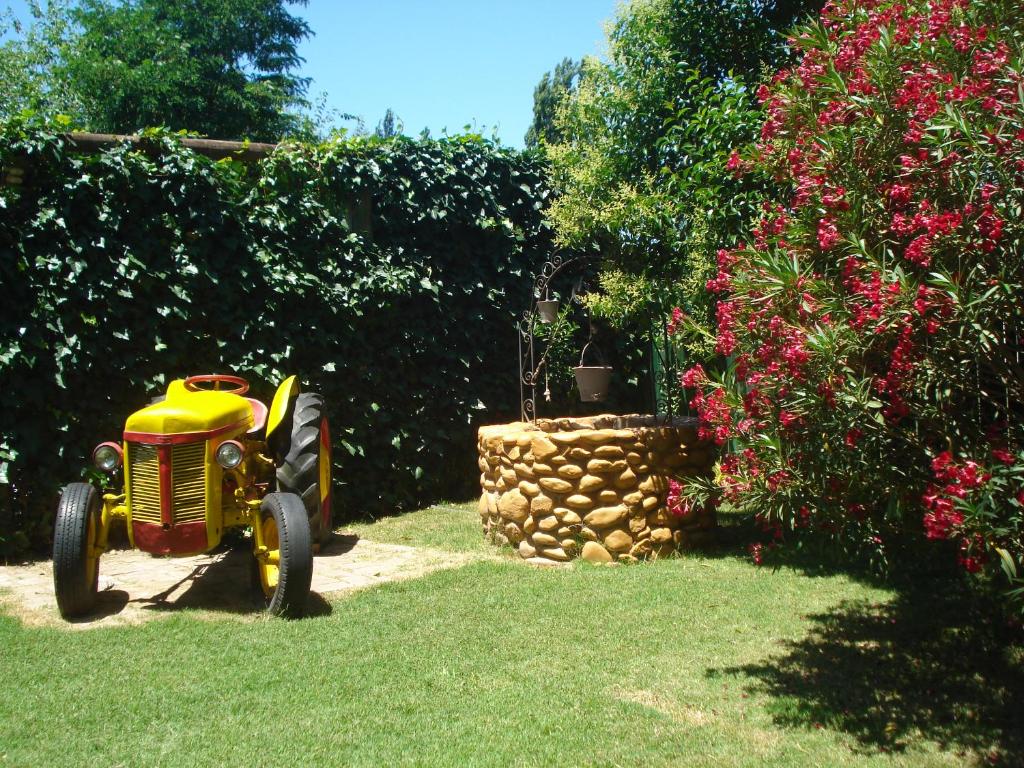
(191, 412)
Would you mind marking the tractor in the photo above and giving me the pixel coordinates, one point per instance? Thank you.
(200, 461)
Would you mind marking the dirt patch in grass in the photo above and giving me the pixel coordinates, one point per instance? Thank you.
(136, 587)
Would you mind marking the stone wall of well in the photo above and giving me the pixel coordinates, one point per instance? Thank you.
(592, 487)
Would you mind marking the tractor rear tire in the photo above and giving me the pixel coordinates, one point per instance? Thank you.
(306, 467)
(285, 587)
(76, 565)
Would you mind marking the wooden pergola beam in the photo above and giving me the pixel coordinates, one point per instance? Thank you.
(214, 148)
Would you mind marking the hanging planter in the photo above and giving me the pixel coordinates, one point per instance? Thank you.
(592, 380)
(548, 310)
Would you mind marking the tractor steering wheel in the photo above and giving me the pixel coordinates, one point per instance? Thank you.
(192, 383)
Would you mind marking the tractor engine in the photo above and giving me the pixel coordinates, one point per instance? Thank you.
(173, 478)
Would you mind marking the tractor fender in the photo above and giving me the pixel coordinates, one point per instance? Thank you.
(280, 407)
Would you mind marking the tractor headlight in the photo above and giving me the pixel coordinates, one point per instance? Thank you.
(230, 453)
(107, 457)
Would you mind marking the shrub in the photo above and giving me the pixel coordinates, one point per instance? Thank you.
(387, 274)
(873, 323)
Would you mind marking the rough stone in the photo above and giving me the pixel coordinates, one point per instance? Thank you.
(579, 501)
(637, 525)
(566, 438)
(662, 518)
(544, 540)
(569, 517)
(633, 498)
(608, 452)
(555, 485)
(626, 480)
(653, 484)
(618, 541)
(543, 448)
(598, 436)
(514, 506)
(548, 523)
(641, 549)
(523, 470)
(555, 553)
(570, 472)
(526, 549)
(594, 553)
(594, 466)
(541, 505)
(661, 535)
(528, 489)
(604, 517)
(513, 533)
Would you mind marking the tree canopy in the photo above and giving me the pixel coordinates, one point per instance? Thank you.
(220, 68)
(549, 93)
(645, 139)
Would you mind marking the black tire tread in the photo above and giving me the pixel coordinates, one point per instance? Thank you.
(74, 588)
(299, 472)
(296, 549)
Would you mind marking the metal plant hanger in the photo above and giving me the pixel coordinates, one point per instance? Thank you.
(545, 309)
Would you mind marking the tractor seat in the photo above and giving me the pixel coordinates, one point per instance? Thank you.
(259, 416)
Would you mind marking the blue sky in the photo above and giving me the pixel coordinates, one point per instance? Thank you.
(442, 64)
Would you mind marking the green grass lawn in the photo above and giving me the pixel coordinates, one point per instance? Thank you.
(446, 526)
(696, 661)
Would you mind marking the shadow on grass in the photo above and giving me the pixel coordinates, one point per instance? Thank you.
(931, 664)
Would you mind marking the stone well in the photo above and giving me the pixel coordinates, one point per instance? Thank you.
(594, 487)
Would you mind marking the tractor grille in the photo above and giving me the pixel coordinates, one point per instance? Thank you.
(144, 478)
(188, 482)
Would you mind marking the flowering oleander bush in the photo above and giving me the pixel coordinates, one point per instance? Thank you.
(873, 325)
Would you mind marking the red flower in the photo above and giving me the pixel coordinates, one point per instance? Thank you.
(828, 234)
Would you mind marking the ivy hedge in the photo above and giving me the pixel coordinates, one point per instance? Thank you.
(387, 274)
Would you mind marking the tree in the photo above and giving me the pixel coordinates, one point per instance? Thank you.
(549, 93)
(28, 58)
(389, 126)
(645, 139)
(222, 68)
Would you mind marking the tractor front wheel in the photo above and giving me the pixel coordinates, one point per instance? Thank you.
(76, 559)
(285, 570)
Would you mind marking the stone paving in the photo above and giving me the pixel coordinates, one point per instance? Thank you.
(135, 587)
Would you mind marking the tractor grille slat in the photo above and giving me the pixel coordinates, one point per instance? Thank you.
(188, 482)
(144, 473)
